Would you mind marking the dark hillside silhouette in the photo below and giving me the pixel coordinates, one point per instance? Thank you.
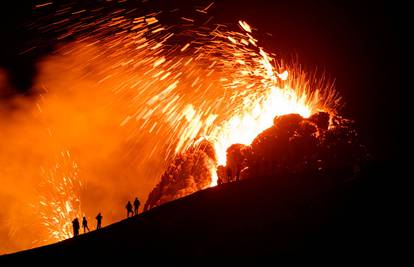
(291, 218)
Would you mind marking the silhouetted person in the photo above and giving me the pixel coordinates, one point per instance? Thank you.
(98, 221)
(129, 209)
(136, 206)
(76, 226)
(85, 224)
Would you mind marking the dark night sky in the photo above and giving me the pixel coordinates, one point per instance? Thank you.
(352, 42)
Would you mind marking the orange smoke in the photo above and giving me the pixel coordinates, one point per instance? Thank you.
(67, 109)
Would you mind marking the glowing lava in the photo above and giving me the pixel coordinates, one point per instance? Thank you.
(222, 86)
(264, 92)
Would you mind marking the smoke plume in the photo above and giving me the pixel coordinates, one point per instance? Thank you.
(68, 109)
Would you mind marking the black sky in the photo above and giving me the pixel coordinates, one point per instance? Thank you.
(355, 43)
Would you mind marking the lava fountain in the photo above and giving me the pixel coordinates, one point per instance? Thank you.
(179, 85)
(222, 87)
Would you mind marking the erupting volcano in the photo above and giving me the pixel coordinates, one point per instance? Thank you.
(157, 105)
(190, 84)
(198, 87)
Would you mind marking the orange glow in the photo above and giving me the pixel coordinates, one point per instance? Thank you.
(222, 86)
(126, 98)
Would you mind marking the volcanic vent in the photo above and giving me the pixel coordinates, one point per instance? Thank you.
(293, 144)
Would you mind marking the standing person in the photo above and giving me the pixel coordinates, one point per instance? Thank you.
(136, 206)
(98, 221)
(129, 209)
(76, 226)
(85, 224)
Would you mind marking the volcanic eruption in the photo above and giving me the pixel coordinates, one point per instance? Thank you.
(292, 145)
(200, 103)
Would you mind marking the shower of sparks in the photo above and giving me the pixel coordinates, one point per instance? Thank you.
(221, 87)
(60, 198)
(183, 83)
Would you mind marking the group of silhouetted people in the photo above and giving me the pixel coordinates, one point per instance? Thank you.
(76, 225)
(131, 210)
(129, 207)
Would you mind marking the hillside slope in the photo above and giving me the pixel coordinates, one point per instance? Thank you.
(331, 216)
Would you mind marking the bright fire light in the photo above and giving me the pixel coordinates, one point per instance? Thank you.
(222, 86)
(183, 84)
(172, 86)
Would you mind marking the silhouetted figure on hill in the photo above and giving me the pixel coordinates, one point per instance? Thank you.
(76, 226)
(136, 206)
(85, 224)
(129, 209)
(98, 221)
